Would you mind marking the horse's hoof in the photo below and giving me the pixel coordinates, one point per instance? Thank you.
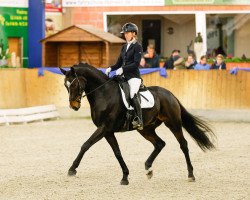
(72, 172)
(124, 182)
(149, 173)
(191, 179)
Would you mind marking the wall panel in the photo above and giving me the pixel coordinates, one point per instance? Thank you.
(195, 89)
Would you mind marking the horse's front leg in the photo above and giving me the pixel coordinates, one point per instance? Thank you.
(115, 147)
(95, 137)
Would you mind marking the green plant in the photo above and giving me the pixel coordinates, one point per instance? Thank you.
(4, 55)
(236, 60)
(198, 38)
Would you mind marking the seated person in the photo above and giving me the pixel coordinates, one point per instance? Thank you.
(191, 62)
(169, 64)
(219, 63)
(203, 64)
(178, 62)
(143, 63)
(151, 57)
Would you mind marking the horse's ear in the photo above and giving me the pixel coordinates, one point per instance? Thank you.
(62, 70)
(72, 69)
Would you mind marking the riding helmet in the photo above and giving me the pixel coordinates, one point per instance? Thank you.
(129, 27)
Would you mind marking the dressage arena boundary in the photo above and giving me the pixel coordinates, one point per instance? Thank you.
(24, 115)
(212, 89)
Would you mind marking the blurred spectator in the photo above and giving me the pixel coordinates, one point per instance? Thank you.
(203, 64)
(49, 27)
(169, 64)
(191, 62)
(143, 63)
(221, 51)
(219, 63)
(151, 57)
(178, 62)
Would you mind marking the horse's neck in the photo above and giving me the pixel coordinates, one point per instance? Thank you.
(94, 79)
(97, 85)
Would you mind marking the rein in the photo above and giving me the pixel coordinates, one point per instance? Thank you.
(97, 88)
(80, 91)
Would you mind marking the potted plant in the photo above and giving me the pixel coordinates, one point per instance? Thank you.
(4, 56)
(198, 44)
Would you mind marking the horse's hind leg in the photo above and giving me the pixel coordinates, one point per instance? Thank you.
(150, 135)
(177, 131)
(115, 147)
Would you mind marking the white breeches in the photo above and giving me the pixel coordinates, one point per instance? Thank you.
(134, 85)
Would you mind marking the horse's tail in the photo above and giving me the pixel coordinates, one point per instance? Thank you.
(198, 129)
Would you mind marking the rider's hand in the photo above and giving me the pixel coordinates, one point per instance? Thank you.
(107, 71)
(119, 71)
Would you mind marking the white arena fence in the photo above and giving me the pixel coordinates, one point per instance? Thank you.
(24, 115)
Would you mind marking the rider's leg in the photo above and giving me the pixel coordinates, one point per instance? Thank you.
(134, 85)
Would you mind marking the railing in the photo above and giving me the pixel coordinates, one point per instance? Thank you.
(24, 115)
(195, 89)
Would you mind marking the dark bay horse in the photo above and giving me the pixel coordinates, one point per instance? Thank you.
(109, 114)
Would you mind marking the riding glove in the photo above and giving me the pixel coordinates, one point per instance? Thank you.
(107, 71)
(119, 71)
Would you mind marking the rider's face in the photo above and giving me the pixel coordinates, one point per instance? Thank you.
(129, 36)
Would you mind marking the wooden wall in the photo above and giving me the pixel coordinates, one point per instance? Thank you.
(206, 89)
(51, 50)
(115, 50)
(12, 88)
(70, 53)
(195, 89)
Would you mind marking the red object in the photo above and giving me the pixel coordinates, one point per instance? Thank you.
(50, 7)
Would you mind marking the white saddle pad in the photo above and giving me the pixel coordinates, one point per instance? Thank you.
(145, 103)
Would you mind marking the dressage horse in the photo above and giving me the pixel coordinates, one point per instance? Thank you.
(109, 114)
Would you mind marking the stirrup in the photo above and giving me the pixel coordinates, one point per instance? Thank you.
(137, 123)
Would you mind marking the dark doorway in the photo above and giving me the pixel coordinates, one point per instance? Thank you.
(151, 33)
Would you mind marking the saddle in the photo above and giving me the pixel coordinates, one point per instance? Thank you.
(145, 97)
(124, 86)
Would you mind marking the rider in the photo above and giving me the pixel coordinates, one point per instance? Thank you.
(128, 65)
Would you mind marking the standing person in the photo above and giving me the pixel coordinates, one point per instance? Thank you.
(202, 65)
(169, 64)
(191, 62)
(219, 63)
(128, 64)
(151, 57)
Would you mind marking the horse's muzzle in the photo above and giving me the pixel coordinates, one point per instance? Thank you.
(75, 105)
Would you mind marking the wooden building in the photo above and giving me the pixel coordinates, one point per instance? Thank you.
(81, 43)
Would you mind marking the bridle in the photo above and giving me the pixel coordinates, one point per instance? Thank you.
(80, 90)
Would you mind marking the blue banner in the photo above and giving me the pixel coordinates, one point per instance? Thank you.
(236, 69)
(56, 70)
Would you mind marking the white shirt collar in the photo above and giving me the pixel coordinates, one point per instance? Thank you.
(130, 42)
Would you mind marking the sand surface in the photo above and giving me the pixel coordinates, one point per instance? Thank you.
(35, 159)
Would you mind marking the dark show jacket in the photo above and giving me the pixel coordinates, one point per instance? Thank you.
(169, 64)
(221, 66)
(129, 60)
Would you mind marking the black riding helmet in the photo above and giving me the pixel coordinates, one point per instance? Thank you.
(129, 27)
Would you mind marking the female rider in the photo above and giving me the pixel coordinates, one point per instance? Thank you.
(128, 64)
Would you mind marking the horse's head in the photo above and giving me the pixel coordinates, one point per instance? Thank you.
(75, 84)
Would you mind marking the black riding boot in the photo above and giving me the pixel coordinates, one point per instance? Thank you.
(137, 122)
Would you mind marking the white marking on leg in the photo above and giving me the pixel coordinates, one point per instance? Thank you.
(149, 173)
